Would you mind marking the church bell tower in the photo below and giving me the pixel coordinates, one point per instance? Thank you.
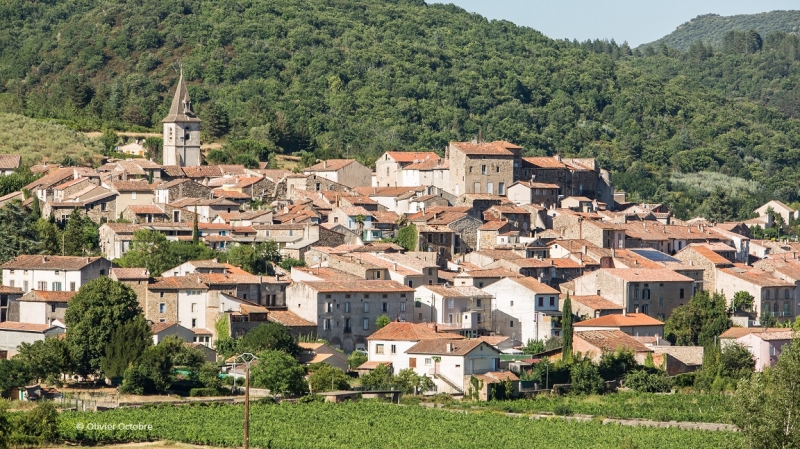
(181, 130)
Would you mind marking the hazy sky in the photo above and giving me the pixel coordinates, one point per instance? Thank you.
(635, 21)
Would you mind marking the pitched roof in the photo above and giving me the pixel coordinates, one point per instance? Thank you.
(646, 274)
(202, 171)
(24, 327)
(440, 346)
(483, 148)
(34, 262)
(156, 328)
(130, 274)
(755, 276)
(47, 296)
(131, 186)
(288, 319)
(330, 165)
(461, 291)
(10, 161)
(535, 286)
(535, 185)
(358, 286)
(544, 162)
(172, 170)
(411, 156)
(596, 302)
(493, 225)
(738, 332)
(181, 108)
(178, 283)
(688, 355)
(619, 320)
(708, 254)
(612, 340)
(405, 331)
(145, 209)
(222, 193)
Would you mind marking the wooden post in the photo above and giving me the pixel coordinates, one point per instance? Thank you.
(247, 407)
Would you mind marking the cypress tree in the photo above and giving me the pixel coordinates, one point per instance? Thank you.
(566, 330)
(195, 229)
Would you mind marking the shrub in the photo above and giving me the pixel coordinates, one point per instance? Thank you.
(562, 410)
(410, 400)
(643, 381)
(684, 380)
(311, 398)
(199, 392)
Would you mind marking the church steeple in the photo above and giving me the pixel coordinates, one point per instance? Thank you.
(181, 130)
(181, 109)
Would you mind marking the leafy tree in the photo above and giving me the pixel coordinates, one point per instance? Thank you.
(742, 301)
(208, 375)
(644, 381)
(407, 237)
(109, 140)
(270, 336)
(280, 373)
(699, 322)
(380, 377)
(324, 377)
(382, 321)
(585, 378)
(533, 347)
(154, 149)
(408, 381)
(736, 362)
(14, 373)
(566, 330)
(766, 406)
(216, 122)
(195, 229)
(154, 372)
(17, 232)
(48, 235)
(152, 250)
(81, 235)
(45, 360)
(37, 426)
(767, 319)
(614, 365)
(356, 359)
(92, 315)
(288, 263)
(128, 342)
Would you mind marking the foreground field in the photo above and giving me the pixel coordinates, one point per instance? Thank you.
(365, 425)
(709, 408)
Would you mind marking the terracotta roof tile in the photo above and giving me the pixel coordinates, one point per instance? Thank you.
(47, 296)
(146, 209)
(288, 319)
(10, 161)
(358, 286)
(619, 320)
(222, 193)
(24, 327)
(535, 286)
(440, 346)
(130, 274)
(461, 291)
(646, 275)
(131, 186)
(410, 156)
(483, 148)
(595, 302)
(33, 262)
(738, 332)
(755, 276)
(329, 165)
(405, 331)
(203, 171)
(156, 328)
(544, 162)
(611, 340)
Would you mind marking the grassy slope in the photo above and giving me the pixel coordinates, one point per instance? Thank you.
(39, 141)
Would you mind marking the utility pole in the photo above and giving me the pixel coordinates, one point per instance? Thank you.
(247, 358)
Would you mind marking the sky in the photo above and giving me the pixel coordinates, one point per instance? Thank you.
(635, 21)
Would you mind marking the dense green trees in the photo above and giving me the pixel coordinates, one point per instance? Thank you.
(700, 322)
(280, 373)
(324, 377)
(92, 317)
(270, 336)
(152, 250)
(128, 342)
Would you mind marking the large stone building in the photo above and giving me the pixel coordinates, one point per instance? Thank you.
(486, 167)
(181, 130)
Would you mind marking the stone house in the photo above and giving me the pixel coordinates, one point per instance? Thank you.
(703, 257)
(9, 307)
(348, 172)
(652, 291)
(345, 312)
(595, 343)
(486, 167)
(43, 307)
(517, 217)
(147, 213)
(207, 210)
(178, 189)
(452, 363)
(464, 310)
(44, 187)
(436, 239)
(9, 163)
(13, 334)
(633, 324)
(771, 294)
(591, 306)
(390, 343)
(389, 167)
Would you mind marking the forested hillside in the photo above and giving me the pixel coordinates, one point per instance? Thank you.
(711, 28)
(356, 78)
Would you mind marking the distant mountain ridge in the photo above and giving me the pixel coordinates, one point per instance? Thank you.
(710, 28)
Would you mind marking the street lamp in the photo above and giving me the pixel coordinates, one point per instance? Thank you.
(247, 358)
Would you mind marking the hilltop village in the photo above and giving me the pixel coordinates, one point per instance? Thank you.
(464, 256)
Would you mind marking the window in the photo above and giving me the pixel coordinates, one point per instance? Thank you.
(11, 283)
(681, 294)
(636, 293)
(366, 324)
(411, 283)
(402, 307)
(451, 303)
(161, 295)
(366, 307)
(326, 325)
(377, 275)
(162, 308)
(511, 323)
(552, 300)
(194, 323)
(501, 188)
(646, 293)
(25, 286)
(385, 307)
(478, 302)
(72, 286)
(194, 307)
(786, 294)
(330, 307)
(483, 169)
(646, 309)
(441, 238)
(428, 361)
(53, 308)
(347, 307)
(42, 285)
(450, 318)
(430, 271)
(133, 195)
(786, 309)
(379, 348)
(660, 302)
(775, 309)
(490, 188)
(393, 349)
(766, 294)
(541, 302)
(512, 304)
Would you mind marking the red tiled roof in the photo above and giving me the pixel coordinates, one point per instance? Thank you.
(596, 302)
(146, 209)
(611, 340)
(440, 346)
(24, 327)
(130, 274)
(619, 320)
(405, 331)
(288, 319)
(483, 148)
(646, 275)
(47, 296)
(178, 283)
(10, 161)
(535, 286)
(202, 171)
(494, 225)
(535, 185)
(33, 262)
(222, 193)
(156, 328)
(738, 332)
(755, 276)
(330, 165)
(544, 162)
(358, 286)
(709, 254)
(131, 186)
(410, 156)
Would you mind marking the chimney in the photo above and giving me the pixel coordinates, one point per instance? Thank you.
(637, 310)
(325, 164)
(624, 311)
(585, 249)
(449, 348)
(613, 252)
